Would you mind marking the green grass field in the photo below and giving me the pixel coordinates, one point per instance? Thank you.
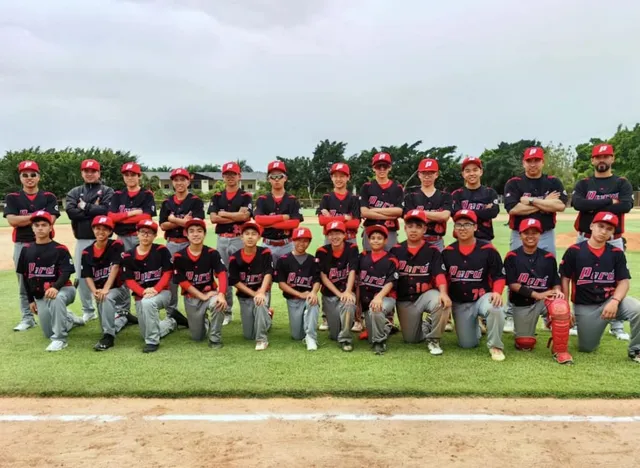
(183, 368)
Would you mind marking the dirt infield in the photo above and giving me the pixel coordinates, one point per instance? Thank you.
(325, 441)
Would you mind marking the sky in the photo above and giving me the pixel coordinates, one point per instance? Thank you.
(204, 81)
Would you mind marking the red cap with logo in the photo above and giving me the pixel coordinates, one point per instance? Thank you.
(376, 228)
(340, 167)
(90, 164)
(428, 165)
(466, 214)
(533, 153)
(103, 221)
(530, 223)
(606, 217)
(180, 172)
(251, 224)
(147, 224)
(131, 167)
(41, 215)
(471, 160)
(381, 158)
(231, 167)
(195, 222)
(416, 215)
(602, 149)
(336, 226)
(276, 166)
(302, 233)
(28, 166)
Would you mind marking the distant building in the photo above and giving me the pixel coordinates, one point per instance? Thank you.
(205, 181)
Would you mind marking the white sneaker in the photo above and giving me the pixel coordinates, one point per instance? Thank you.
(508, 325)
(77, 321)
(56, 345)
(24, 325)
(497, 354)
(434, 348)
(88, 316)
(573, 331)
(227, 320)
(620, 335)
(357, 327)
(261, 345)
(448, 327)
(311, 344)
(324, 326)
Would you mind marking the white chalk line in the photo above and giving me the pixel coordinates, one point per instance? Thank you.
(315, 417)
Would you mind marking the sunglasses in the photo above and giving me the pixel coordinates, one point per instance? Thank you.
(276, 176)
(28, 175)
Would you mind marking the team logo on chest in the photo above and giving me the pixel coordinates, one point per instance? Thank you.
(457, 275)
(588, 276)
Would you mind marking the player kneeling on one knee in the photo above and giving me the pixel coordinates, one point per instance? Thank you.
(298, 276)
(251, 272)
(377, 280)
(147, 272)
(422, 285)
(476, 281)
(46, 267)
(195, 269)
(100, 267)
(598, 276)
(338, 262)
(534, 290)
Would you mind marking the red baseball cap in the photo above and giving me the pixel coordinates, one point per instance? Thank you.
(28, 166)
(340, 167)
(606, 217)
(103, 221)
(533, 153)
(251, 224)
(276, 166)
(180, 172)
(602, 149)
(131, 167)
(376, 228)
(416, 215)
(302, 233)
(90, 164)
(231, 167)
(195, 222)
(335, 226)
(471, 160)
(428, 165)
(147, 224)
(465, 214)
(381, 158)
(530, 223)
(41, 215)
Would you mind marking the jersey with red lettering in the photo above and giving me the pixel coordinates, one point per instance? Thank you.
(594, 274)
(338, 205)
(537, 271)
(417, 269)
(250, 270)
(288, 205)
(124, 201)
(97, 264)
(180, 208)
(146, 270)
(373, 195)
(439, 201)
(231, 203)
(523, 186)
(200, 271)
(375, 271)
(337, 265)
(22, 204)
(44, 266)
(483, 201)
(299, 272)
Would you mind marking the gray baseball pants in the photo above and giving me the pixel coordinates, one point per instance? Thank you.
(130, 242)
(86, 298)
(302, 319)
(148, 310)
(391, 241)
(174, 247)
(414, 328)
(55, 320)
(465, 316)
(525, 318)
(27, 315)
(228, 246)
(278, 251)
(111, 320)
(340, 318)
(256, 320)
(199, 322)
(591, 326)
(378, 327)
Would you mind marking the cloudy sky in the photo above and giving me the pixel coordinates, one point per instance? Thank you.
(209, 81)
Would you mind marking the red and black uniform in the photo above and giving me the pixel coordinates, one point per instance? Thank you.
(124, 201)
(152, 270)
(250, 270)
(477, 200)
(439, 201)
(473, 271)
(338, 205)
(522, 186)
(299, 276)
(268, 208)
(337, 265)
(420, 269)
(200, 271)
(594, 273)
(97, 263)
(389, 195)
(23, 204)
(179, 209)
(231, 202)
(375, 271)
(44, 266)
(537, 271)
(593, 195)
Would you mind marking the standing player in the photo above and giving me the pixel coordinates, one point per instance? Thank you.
(46, 267)
(83, 204)
(278, 212)
(147, 271)
(422, 286)
(338, 262)
(476, 281)
(196, 268)
(603, 192)
(19, 206)
(534, 290)
(229, 210)
(100, 268)
(299, 279)
(251, 272)
(596, 275)
(435, 203)
(381, 200)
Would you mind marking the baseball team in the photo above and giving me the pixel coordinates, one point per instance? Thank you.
(433, 288)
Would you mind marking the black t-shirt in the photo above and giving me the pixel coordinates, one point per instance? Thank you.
(537, 271)
(99, 268)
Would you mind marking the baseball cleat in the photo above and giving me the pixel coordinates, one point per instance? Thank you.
(620, 335)
(150, 348)
(217, 345)
(105, 343)
(346, 347)
(379, 349)
(24, 325)
(77, 321)
(312, 345)
(227, 320)
(261, 345)
(434, 348)
(573, 331)
(131, 319)
(357, 327)
(324, 326)
(56, 345)
(88, 316)
(635, 357)
(497, 354)
(508, 325)
(449, 326)
(180, 319)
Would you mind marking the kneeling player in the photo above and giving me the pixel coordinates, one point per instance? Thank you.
(422, 286)
(147, 271)
(100, 267)
(534, 290)
(46, 267)
(251, 272)
(599, 279)
(338, 262)
(476, 281)
(195, 269)
(299, 279)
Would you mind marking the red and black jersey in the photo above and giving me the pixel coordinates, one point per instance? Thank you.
(22, 204)
(537, 271)
(594, 274)
(124, 201)
(419, 270)
(375, 271)
(230, 202)
(152, 270)
(522, 186)
(337, 265)
(473, 271)
(341, 204)
(483, 201)
(373, 195)
(595, 194)
(250, 270)
(198, 271)
(180, 208)
(439, 201)
(97, 264)
(44, 266)
(299, 272)
(267, 205)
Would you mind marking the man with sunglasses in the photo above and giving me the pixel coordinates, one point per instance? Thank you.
(19, 206)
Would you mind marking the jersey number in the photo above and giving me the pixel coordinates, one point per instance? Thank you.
(478, 293)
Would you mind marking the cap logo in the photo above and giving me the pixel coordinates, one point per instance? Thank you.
(381, 157)
(229, 166)
(339, 166)
(276, 164)
(300, 232)
(89, 164)
(531, 222)
(128, 166)
(607, 217)
(28, 164)
(334, 225)
(533, 151)
(102, 220)
(464, 212)
(415, 213)
(148, 223)
(40, 213)
(428, 164)
(603, 148)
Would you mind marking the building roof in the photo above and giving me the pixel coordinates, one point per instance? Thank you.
(259, 176)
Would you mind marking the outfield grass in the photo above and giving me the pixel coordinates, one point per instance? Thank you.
(183, 368)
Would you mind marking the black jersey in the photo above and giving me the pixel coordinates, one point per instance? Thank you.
(147, 270)
(297, 275)
(180, 208)
(287, 205)
(483, 201)
(222, 201)
(337, 268)
(537, 271)
(44, 266)
(594, 275)
(417, 269)
(123, 202)
(200, 271)
(250, 270)
(522, 186)
(439, 201)
(372, 195)
(21, 204)
(97, 265)
(374, 273)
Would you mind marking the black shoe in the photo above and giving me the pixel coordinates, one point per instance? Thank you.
(131, 319)
(105, 343)
(213, 345)
(150, 348)
(378, 348)
(75, 283)
(394, 330)
(180, 319)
